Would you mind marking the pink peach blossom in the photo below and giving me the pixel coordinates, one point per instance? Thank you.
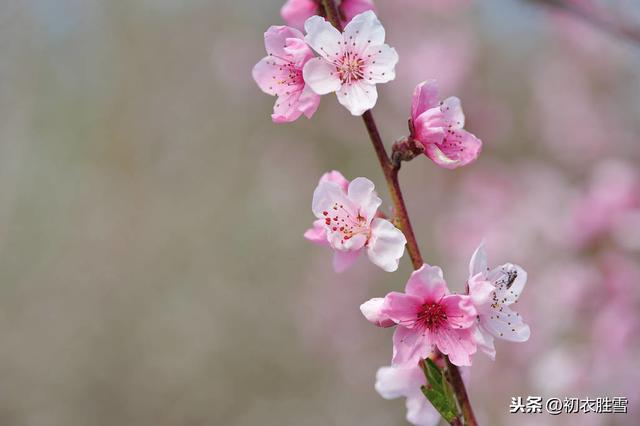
(428, 316)
(492, 292)
(296, 12)
(405, 380)
(350, 63)
(438, 127)
(347, 222)
(280, 74)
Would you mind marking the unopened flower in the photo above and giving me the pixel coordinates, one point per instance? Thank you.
(295, 12)
(438, 127)
(427, 316)
(350, 63)
(347, 222)
(405, 381)
(492, 292)
(280, 74)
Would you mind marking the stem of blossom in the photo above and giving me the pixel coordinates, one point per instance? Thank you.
(390, 171)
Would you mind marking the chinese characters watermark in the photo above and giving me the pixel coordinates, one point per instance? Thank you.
(569, 405)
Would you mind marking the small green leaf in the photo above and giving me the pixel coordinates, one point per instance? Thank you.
(438, 391)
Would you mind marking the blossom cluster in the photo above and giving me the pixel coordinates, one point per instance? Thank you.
(430, 321)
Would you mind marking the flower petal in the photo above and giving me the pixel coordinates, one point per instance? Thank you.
(350, 8)
(323, 37)
(452, 110)
(363, 32)
(317, 234)
(308, 102)
(458, 148)
(386, 244)
(320, 76)
(343, 259)
(286, 110)
(427, 283)
(396, 381)
(336, 177)
(401, 308)
(460, 311)
(506, 324)
(324, 197)
(265, 73)
(381, 66)
(275, 40)
(409, 345)
(420, 412)
(484, 339)
(372, 311)
(509, 281)
(480, 290)
(296, 12)
(478, 262)
(357, 97)
(362, 194)
(458, 344)
(425, 96)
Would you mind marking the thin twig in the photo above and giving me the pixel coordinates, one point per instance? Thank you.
(391, 175)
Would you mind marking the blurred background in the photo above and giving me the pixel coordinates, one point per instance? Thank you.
(152, 265)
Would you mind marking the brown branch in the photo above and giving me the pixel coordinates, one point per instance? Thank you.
(390, 171)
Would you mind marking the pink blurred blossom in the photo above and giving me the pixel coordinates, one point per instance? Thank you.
(296, 12)
(280, 74)
(438, 127)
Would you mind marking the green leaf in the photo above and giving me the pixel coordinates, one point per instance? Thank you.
(438, 391)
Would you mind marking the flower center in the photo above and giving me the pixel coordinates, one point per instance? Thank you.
(350, 67)
(290, 75)
(432, 316)
(338, 219)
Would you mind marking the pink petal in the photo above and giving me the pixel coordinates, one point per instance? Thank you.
(308, 102)
(401, 308)
(364, 32)
(401, 380)
(343, 259)
(264, 73)
(429, 127)
(478, 262)
(480, 290)
(409, 345)
(427, 283)
(420, 412)
(381, 66)
(351, 8)
(361, 192)
(372, 311)
(484, 340)
(509, 281)
(325, 196)
(458, 148)
(507, 325)
(336, 177)
(323, 37)
(425, 96)
(460, 311)
(286, 108)
(386, 244)
(452, 111)
(275, 40)
(321, 76)
(318, 233)
(457, 344)
(357, 97)
(295, 12)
